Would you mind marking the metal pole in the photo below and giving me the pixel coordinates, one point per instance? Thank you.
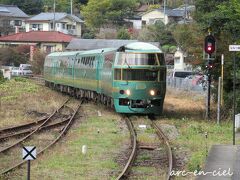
(164, 12)
(208, 91)
(71, 7)
(54, 6)
(219, 100)
(234, 94)
(222, 63)
(28, 169)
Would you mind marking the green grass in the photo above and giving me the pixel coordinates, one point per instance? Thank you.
(10, 90)
(193, 139)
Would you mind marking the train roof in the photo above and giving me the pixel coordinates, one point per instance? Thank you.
(89, 44)
(141, 47)
(97, 51)
(65, 53)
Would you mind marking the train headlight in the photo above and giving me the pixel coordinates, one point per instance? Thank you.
(128, 92)
(121, 91)
(152, 92)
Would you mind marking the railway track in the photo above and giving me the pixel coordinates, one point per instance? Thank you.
(135, 147)
(56, 125)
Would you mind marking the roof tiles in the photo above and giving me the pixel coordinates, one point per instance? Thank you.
(37, 36)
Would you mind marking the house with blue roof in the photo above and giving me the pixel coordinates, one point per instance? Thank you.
(12, 19)
(62, 22)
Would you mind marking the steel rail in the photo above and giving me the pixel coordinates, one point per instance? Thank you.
(32, 129)
(169, 150)
(37, 129)
(64, 131)
(132, 156)
(22, 126)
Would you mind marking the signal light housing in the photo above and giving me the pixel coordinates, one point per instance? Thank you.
(209, 65)
(209, 45)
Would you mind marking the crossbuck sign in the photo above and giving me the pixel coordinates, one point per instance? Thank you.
(29, 153)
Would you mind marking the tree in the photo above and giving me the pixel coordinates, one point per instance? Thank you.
(157, 32)
(38, 62)
(14, 56)
(222, 17)
(99, 13)
(30, 7)
(192, 45)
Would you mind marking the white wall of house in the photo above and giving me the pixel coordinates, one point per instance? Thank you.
(153, 16)
(179, 62)
(137, 24)
(52, 47)
(37, 26)
(66, 26)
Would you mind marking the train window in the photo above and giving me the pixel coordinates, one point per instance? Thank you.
(138, 59)
(117, 74)
(109, 57)
(140, 75)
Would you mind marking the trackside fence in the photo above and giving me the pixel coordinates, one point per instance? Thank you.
(186, 84)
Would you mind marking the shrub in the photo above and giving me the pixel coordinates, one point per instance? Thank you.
(2, 79)
(123, 34)
(38, 62)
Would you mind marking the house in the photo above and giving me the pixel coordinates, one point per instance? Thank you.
(47, 41)
(180, 61)
(136, 21)
(12, 19)
(62, 22)
(177, 15)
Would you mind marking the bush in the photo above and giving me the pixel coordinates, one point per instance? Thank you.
(88, 35)
(172, 49)
(165, 48)
(38, 62)
(123, 34)
(2, 79)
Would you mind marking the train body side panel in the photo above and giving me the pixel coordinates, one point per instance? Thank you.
(85, 71)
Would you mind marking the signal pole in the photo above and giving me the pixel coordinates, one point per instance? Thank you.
(209, 48)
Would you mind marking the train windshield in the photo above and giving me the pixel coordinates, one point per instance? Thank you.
(136, 74)
(138, 59)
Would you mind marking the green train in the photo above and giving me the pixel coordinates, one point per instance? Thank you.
(131, 78)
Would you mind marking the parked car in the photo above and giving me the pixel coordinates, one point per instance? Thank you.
(22, 70)
(181, 73)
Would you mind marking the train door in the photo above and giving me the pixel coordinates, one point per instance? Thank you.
(99, 64)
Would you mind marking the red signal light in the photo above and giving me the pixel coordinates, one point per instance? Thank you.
(209, 45)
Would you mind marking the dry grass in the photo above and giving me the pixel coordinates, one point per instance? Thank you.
(181, 104)
(24, 101)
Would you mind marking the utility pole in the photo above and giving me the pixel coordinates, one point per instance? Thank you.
(71, 7)
(164, 11)
(54, 6)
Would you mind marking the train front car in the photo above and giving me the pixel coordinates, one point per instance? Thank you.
(139, 84)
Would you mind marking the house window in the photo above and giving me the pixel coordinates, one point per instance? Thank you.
(37, 27)
(51, 25)
(69, 26)
(17, 22)
(49, 49)
(177, 60)
(73, 27)
(63, 25)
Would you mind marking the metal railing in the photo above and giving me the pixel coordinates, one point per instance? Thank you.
(186, 84)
